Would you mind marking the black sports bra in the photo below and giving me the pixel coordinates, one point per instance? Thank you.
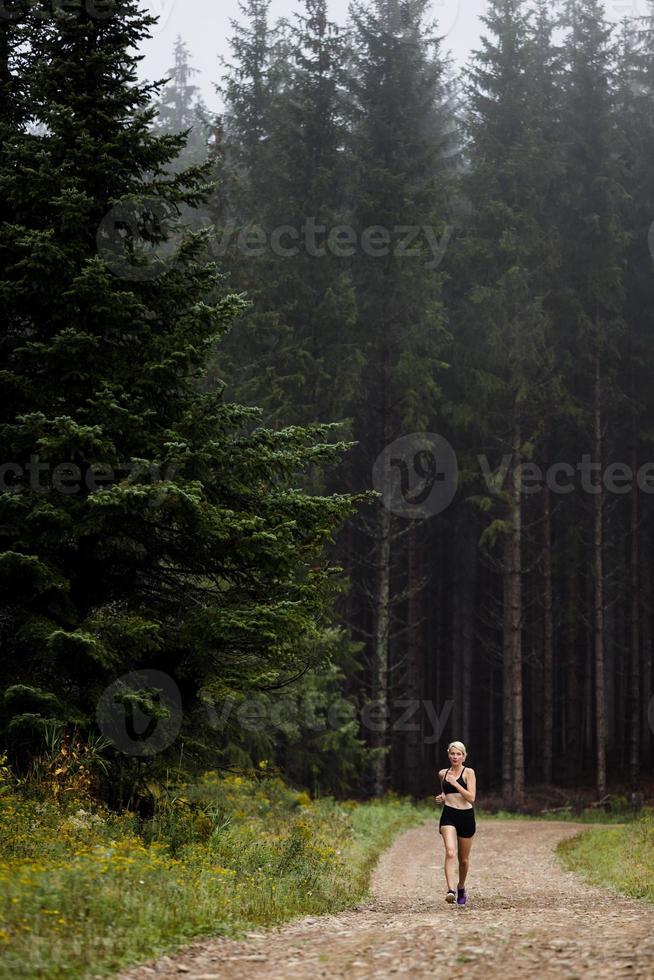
(448, 788)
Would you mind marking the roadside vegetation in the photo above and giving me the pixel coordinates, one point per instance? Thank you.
(618, 814)
(615, 857)
(84, 890)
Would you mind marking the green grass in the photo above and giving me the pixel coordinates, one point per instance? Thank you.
(618, 857)
(84, 892)
(374, 825)
(619, 815)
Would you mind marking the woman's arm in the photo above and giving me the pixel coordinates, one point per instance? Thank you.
(469, 793)
(441, 796)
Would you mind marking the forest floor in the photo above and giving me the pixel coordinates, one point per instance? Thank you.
(525, 914)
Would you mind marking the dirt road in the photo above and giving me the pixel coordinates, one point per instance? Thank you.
(526, 916)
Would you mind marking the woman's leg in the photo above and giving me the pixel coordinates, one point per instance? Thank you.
(449, 840)
(464, 843)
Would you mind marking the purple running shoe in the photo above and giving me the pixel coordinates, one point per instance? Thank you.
(461, 897)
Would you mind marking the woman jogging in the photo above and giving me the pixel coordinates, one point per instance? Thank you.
(457, 824)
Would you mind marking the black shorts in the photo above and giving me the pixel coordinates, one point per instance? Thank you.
(462, 820)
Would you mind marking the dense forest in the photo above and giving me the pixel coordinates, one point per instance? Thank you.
(331, 409)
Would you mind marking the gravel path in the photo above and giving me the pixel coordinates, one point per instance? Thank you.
(525, 916)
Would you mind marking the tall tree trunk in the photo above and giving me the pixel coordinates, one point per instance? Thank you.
(589, 713)
(616, 672)
(382, 596)
(534, 737)
(380, 653)
(634, 581)
(548, 632)
(598, 603)
(432, 607)
(413, 742)
(469, 564)
(440, 688)
(573, 700)
(516, 619)
(456, 639)
(463, 612)
(646, 681)
(491, 756)
(507, 679)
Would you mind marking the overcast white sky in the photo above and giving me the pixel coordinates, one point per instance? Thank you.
(205, 25)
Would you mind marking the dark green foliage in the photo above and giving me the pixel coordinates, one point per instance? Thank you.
(509, 247)
(400, 142)
(590, 218)
(297, 353)
(520, 327)
(196, 552)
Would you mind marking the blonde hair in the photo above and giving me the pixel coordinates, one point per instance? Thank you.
(460, 746)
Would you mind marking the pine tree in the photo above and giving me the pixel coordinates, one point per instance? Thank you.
(593, 256)
(182, 109)
(314, 292)
(399, 145)
(146, 520)
(247, 89)
(257, 365)
(635, 138)
(286, 174)
(510, 248)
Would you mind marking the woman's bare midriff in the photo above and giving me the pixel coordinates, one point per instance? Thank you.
(459, 804)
